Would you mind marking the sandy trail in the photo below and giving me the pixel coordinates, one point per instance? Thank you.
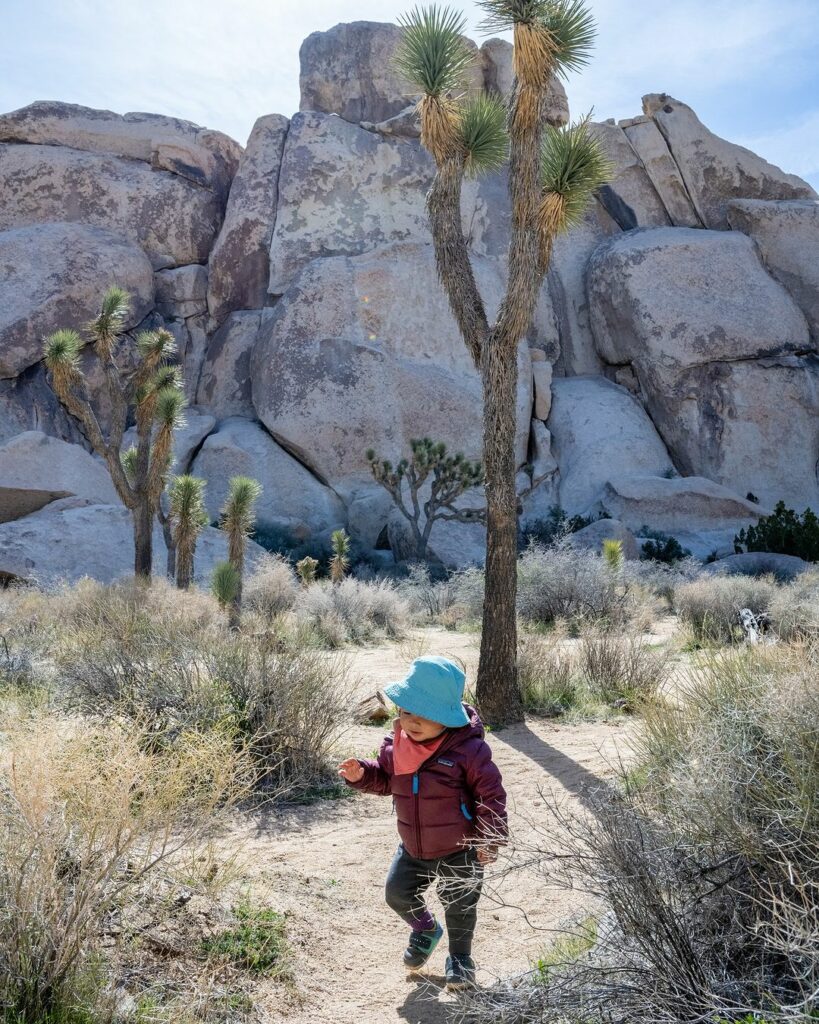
(325, 865)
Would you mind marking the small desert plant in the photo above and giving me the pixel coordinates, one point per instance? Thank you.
(86, 815)
(353, 610)
(613, 554)
(225, 586)
(428, 599)
(547, 671)
(554, 527)
(785, 532)
(450, 476)
(340, 562)
(710, 607)
(271, 588)
(188, 516)
(621, 669)
(237, 518)
(660, 547)
(307, 568)
(255, 942)
(794, 609)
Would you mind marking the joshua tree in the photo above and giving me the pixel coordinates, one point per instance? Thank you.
(340, 562)
(451, 476)
(306, 569)
(238, 517)
(188, 516)
(552, 174)
(153, 390)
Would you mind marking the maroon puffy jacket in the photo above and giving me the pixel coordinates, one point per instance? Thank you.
(454, 796)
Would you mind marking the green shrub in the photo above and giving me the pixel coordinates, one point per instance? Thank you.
(255, 942)
(710, 606)
(786, 532)
(660, 547)
(557, 523)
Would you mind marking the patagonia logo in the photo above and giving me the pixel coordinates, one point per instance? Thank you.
(443, 760)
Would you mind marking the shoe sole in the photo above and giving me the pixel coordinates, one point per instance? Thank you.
(459, 986)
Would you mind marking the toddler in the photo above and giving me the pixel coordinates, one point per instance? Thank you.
(447, 793)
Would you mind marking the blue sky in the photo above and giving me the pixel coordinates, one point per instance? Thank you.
(748, 67)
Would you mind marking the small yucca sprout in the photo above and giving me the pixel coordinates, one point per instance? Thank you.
(129, 463)
(109, 323)
(170, 402)
(189, 516)
(307, 569)
(613, 553)
(482, 133)
(340, 562)
(224, 583)
(573, 167)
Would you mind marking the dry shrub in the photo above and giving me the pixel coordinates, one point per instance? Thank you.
(622, 668)
(86, 813)
(428, 600)
(794, 610)
(710, 606)
(353, 610)
(704, 862)
(271, 589)
(579, 586)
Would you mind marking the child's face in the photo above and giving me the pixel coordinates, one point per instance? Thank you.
(418, 728)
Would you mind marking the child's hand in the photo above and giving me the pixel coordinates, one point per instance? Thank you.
(351, 770)
(487, 854)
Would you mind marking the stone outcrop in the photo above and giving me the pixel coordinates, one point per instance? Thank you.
(172, 219)
(224, 382)
(714, 170)
(201, 155)
(182, 292)
(650, 146)
(347, 361)
(292, 499)
(598, 427)
(239, 266)
(759, 563)
(349, 71)
(721, 353)
(71, 538)
(630, 198)
(36, 469)
(787, 233)
(54, 275)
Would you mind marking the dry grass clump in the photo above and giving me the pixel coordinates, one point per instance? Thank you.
(87, 813)
(271, 589)
(710, 607)
(603, 671)
(794, 609)
(704, 861)
(353, 610)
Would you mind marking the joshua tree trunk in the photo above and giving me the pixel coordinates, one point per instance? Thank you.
(185, 567)
(497, 691)
(143, 515)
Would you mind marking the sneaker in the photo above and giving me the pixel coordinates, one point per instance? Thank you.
(460, 972)
(421, 946)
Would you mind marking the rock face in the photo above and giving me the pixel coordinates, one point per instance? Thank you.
(713, 340)
(239, 266)
(787, 233)
(224, 383)
(54, 275)
(630, 197)
(714, 170)
(182, 292)
(172, 219)
(348, 71)
(36, 469)
(597, 427)
(292, 499)
(69, 539)
(650, 146)
(347, 362)
(759, 563)
(205, 157)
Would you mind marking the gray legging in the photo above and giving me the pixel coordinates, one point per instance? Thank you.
(459, 875)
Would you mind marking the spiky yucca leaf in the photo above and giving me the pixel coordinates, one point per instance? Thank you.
(170, 401)
(129, 463)
(166, 376)
(62, 349)
(503, 15)
(573, 166)
(483, 134)
(187, 494)
(573, 30)
(433, 54)
(238, 513)
(110, 321)
(224, 583)
(156, 345)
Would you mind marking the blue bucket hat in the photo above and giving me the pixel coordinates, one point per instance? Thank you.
(433, 688)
